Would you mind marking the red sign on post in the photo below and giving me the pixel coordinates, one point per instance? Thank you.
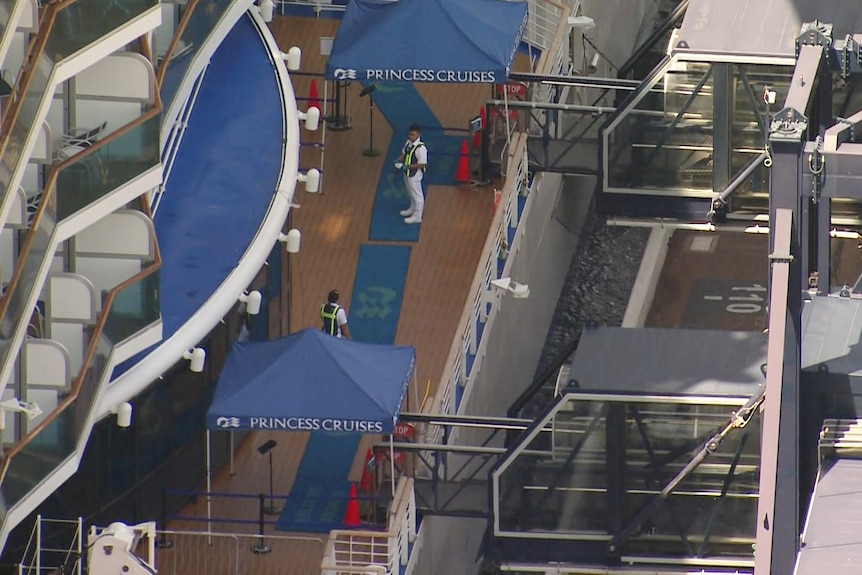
(512, 89)
(403, 432)
(500, 112)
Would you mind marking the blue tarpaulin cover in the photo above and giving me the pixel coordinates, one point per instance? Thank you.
(460, 41)
(312, 381)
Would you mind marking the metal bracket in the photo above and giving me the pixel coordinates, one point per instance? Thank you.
(849, 123)
(816, 165)
(780, 258)
(788, 122)
(848, 55)
(815, 33)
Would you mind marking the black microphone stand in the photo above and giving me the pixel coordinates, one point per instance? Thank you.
(370, 152)
(266, 449)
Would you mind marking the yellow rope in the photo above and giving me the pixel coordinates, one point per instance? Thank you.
(427, 393)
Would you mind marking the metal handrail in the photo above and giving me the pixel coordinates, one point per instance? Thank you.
(181, 27)
(25, 75)
(109, 299)
(49, 189)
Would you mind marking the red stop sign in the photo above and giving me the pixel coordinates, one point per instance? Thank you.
(512, 89)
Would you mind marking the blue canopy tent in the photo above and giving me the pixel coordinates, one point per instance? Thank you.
(310, 381)
(454, 41)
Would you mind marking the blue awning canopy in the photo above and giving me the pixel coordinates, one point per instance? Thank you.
(455, 41)
(312, 381)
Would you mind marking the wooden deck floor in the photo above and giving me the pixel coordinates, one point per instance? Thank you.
(334, 224)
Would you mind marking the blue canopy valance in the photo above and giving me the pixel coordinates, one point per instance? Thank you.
(455, 41)
(312, 381)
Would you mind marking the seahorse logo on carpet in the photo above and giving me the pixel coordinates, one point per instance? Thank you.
(374, 302)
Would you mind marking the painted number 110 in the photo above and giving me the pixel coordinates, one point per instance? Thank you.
(744, 299)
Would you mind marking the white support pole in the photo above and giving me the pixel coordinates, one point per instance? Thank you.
(38, 543)
(80, 547)
(506, 106)
(416, 406)
(323, 132)
(209, 488)
(392, 462)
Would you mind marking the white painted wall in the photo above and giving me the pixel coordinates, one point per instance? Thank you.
(130, 230)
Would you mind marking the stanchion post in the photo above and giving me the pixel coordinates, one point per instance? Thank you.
(261, 548)
(232, 470)
(484, 165)
(163, 541)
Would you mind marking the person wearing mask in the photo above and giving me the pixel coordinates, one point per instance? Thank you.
(413, 161)
(334, 317)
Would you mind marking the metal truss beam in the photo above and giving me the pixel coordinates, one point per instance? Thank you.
(835, 166)
(843, 174)
(530, 105)
(452, 480)
(845, 130)
(555, 149)
(444, 491)
(580, 81)
(504, 423)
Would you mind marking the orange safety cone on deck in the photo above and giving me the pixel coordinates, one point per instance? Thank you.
(313, 99)
(366, 484)
(462, 174)
(351, 514)
(477, 136)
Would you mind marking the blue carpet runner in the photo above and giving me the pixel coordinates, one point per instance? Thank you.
(317, 501)
(377, 292)
(320, 490)
(402, 105)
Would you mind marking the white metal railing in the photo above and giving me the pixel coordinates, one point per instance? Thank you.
(172, 145)
(385, 552)
(43, 557)
(318, 5)
(214, 553)
(481, 304)
(543, 20)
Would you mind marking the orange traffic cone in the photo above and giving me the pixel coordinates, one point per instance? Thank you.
(366, 484)
(477, 137)
(351, 514)
(313, 99)
(462, 174)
